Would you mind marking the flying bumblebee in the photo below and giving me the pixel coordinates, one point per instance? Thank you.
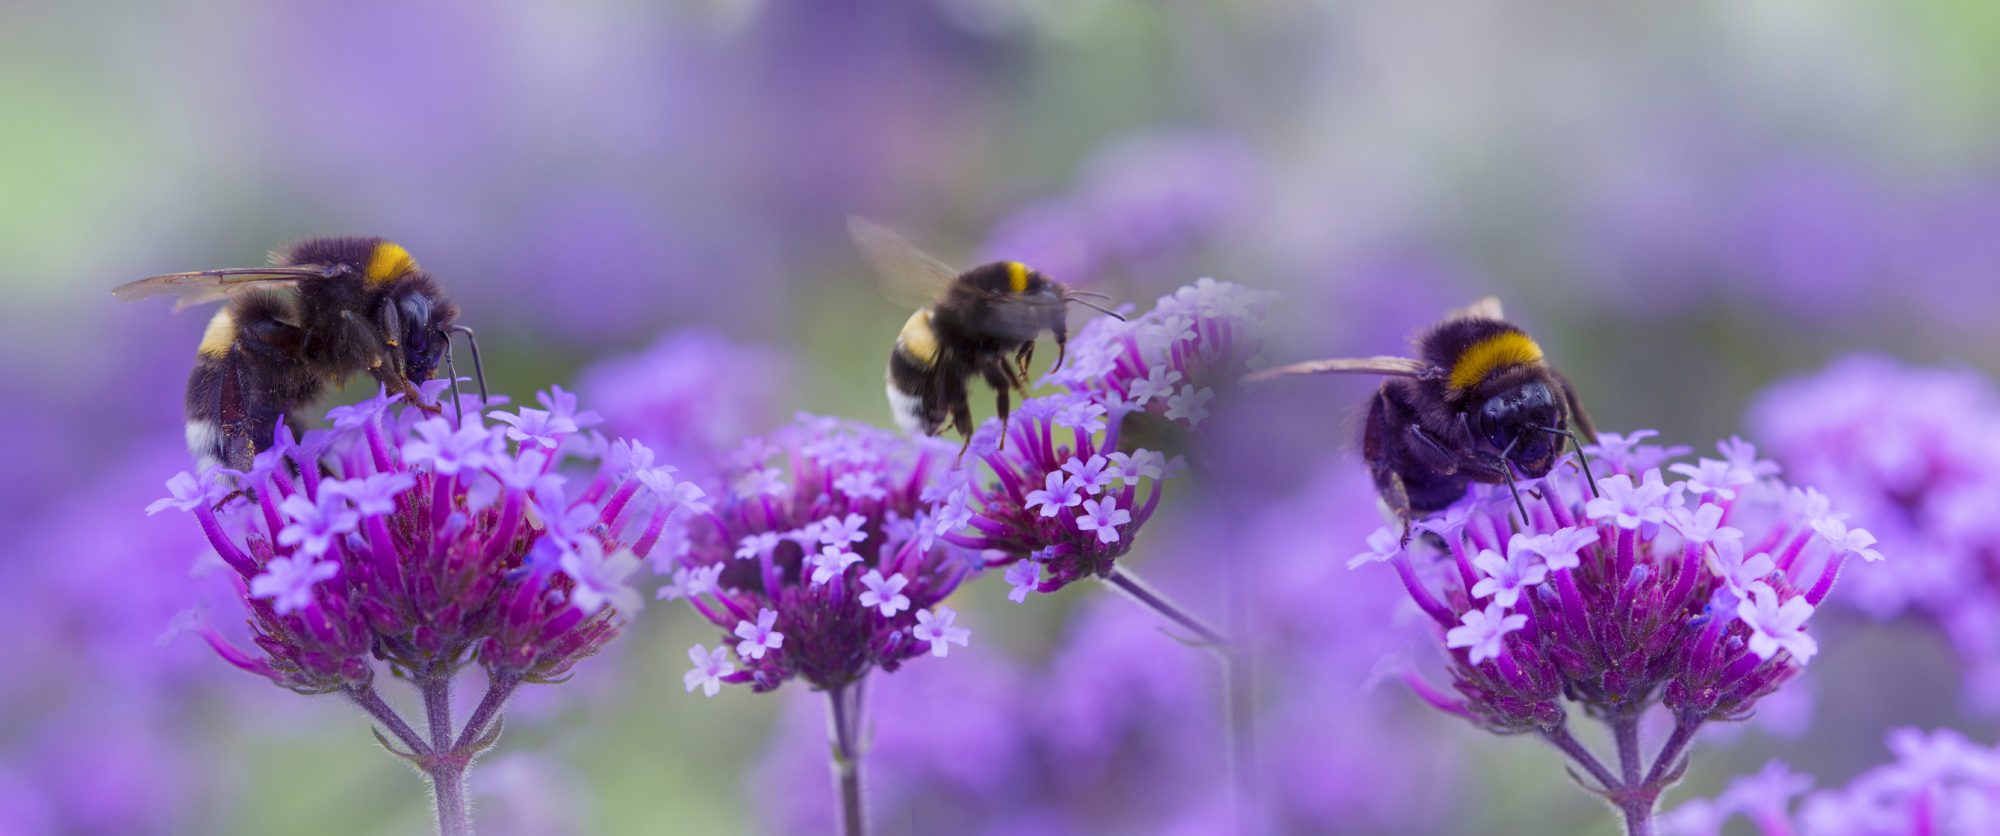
(974, 320)
(1477, 404)
(325, 309)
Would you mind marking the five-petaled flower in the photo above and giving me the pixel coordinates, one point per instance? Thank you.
(1775, 626)
(938, 630)
(759, 637)
(1481, 631)
(710, 666)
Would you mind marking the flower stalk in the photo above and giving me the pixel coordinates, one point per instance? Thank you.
(844, 722)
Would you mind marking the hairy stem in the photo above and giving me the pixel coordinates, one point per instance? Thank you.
(1665, 762)
(371, 702)
(843, 726)
(1635, 799)
(445, 767)
(498, 690)
(1560, 738)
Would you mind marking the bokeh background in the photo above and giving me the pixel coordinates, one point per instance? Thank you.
(1686, 204)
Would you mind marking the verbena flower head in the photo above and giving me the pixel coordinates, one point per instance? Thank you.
(425, 542)
(1642, 592)
(1916, 453)
(1940, 782)
(821, 559)
(1059, 498)
(1173, 361)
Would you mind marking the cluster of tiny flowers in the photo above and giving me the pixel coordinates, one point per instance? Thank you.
(822, 560)
(1173, 361)
(1695, 592)
(424, 541)
(1063, 503)
(1917, 452)
(1940, 782)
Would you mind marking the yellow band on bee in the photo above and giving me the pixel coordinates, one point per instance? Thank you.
(389, 263)
(1017, 276)
(1508, 348)
(218, 336)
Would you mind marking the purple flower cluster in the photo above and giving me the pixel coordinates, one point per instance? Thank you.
(1916, 453)
(1693, 593)
(821, 560)
(1063, 502)
(1173, 361)
(413, 539)
(1123, 714)
(1940, 782)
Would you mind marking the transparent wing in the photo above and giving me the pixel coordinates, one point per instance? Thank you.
(909, 277)
(1486, 308)
(204, 286)
(1389, 366)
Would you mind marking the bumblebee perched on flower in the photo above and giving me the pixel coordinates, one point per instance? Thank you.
(1477, 404)
(970, 323)
(325, 309)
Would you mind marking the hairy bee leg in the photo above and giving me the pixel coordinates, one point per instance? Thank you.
(1430, 451)
(1576, 414)
(1024, 357)
(1378, 443)
(387, 368)
(1001, 378)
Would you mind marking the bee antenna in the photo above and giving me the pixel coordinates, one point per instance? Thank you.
(1581, 459)
(1093, 294)
(1507, 470)
(1096, 307)
(478, 367)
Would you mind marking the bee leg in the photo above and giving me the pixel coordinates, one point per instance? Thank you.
(1576, 414)
(961, 420)
(1430, 451)
(1379, 446)
(1002, 379)
(387, 366)
(1022, 359)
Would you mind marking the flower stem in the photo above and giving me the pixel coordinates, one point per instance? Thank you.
(497, 691)
(1238, 705)
(1636, 799)
(1568, 745)
(445, 767)
(371, 702)
(1130, 584)
(843, 725)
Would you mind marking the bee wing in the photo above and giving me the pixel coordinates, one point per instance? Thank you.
(910, 277)
(204, 286)
(1390, 366)
(1485, 308)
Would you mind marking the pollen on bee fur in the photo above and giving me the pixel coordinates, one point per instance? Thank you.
(389, 262)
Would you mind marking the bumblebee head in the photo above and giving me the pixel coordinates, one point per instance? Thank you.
(419, 319)
(1517, 423)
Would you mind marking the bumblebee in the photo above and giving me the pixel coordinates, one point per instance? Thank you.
(982, 321)
(325, 309)
(1478, 403)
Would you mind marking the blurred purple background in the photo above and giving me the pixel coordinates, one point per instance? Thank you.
(1685, 205)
